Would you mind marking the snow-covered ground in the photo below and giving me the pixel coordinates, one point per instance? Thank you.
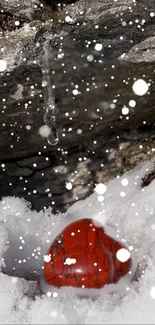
(25, 236)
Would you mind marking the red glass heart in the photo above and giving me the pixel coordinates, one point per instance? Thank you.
(84, 256)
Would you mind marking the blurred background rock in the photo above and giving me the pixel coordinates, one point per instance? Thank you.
(96, 140)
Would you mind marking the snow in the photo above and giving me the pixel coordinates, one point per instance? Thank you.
(124, 182)
(98, 47)
(140, 87)
(90, 58)
(44, 131)
(68, 19)
(25, 236)
(75, 92)
(3, 65)
(132, 103)
(123, 255)
(100, 188)
(69, 185)
(125, 110)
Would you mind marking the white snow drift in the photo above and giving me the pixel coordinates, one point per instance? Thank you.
(25, 236)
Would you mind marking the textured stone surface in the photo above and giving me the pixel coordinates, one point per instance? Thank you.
(15, 171)
(126, 31)
(99, 163)
(92, 256)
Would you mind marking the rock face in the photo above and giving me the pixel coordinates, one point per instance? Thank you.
(96, 51)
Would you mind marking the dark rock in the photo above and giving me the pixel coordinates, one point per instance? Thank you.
(148, 179)
(86, 166)
(88, 123)
(35, 162)
(15, 171)
(54, 4)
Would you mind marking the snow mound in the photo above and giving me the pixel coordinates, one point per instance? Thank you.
(25, 236)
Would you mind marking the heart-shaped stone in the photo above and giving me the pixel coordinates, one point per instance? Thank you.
(84, 256)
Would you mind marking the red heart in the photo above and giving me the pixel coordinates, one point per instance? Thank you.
(84, 256)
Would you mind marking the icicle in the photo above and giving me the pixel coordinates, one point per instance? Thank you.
(49, 99)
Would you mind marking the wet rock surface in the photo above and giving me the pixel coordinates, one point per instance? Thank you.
(90, 88)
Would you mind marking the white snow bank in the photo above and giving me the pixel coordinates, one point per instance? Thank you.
(25, 236)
